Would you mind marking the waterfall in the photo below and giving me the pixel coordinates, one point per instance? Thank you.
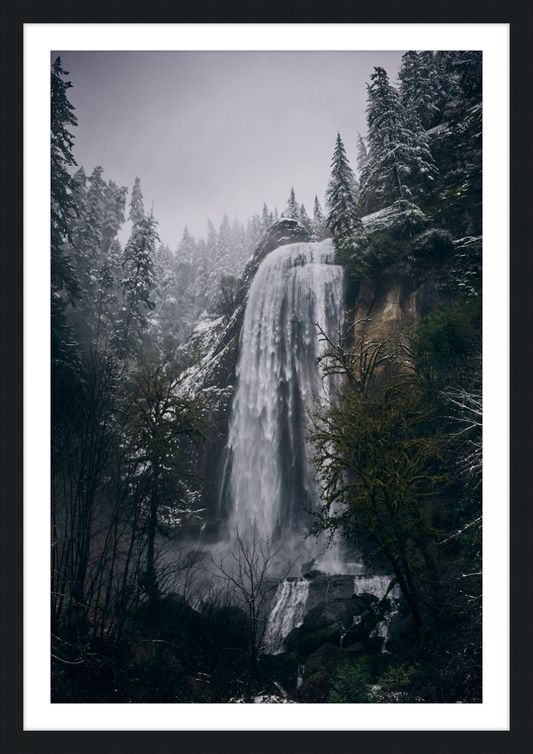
(287, 613)
(376, 585)
(268, 480)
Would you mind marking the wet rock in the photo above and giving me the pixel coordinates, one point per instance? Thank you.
(316, 688)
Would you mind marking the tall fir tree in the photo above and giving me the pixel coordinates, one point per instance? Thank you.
(137, 285)
(211, 251)
(343, 219)
(400, 164)
(224, 264)
(362, 154)
(62, 203)
(267, 217)
(202, 278)
(78, 210)
(136, 213)
(186, 250)
(304, 218)
(418, 87)
(319, 229)
(293, 209)
(114, 212)
(64, 283)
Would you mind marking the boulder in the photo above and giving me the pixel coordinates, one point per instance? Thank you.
(319, 673)
(333, 622)
(316, 688)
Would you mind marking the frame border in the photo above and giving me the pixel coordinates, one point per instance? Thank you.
(519, 15)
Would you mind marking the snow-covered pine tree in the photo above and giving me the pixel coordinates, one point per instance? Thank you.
(319, 229)
(106, 292)
(240, 251)
(343, 219)
(185, 271)
(400, 165)
(136, 203)
(304, 218)
(137, 284)
(62, 203)
(165, 279)
(96, 219)
(88, 252)
(465, 68)
(186, 250)
(254, 231)
(293, 209)
(266, 218)
(165, 295)
(223, 255)
(419, 86)
(211, 251)
(362, 154)
(202, 278)
(64, 284)
(78, 210)
(114, 213)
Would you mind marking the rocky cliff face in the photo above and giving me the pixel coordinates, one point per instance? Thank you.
(395, 301)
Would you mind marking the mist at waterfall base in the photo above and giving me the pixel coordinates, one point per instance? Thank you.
(268, 482)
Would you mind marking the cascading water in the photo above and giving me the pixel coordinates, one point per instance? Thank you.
(268, 480)
(288, 612)
(376, 585)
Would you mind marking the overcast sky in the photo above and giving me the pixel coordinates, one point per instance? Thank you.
(208, 132)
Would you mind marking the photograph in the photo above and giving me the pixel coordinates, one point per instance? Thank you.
(266, 419)
(271, 376)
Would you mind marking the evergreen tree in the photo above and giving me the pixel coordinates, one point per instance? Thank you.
(164, 276)
(185, 272)
(114, 209)
(418, 89)
(62, 204)
(89, 253)
(400, 164)
(136, 204)
(343, 218)
(166, 295)
(137, 284)
(186, 250)
(362, 154)
(202, 280)
(319, 229)
(255, 231)
(211, 251)
(223, 255)
(65, 358)
(292, 210)
(466, 69)
(304, 218)
(240, 251)
(267, 217)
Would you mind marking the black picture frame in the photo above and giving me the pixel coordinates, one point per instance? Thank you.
(13, 739)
